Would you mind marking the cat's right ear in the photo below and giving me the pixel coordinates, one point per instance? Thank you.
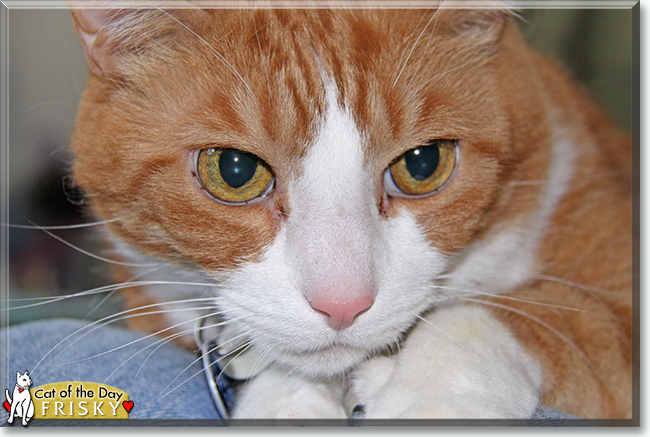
(92, 26)
(109, 32)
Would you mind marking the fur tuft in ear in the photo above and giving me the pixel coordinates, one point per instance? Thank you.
(109, 30)
(481, 26)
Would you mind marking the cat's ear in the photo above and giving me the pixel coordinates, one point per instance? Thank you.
(482, 27)
(109, 32)
(18, 375)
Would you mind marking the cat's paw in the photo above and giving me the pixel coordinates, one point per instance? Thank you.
(275, 395)
(310, 403)
(459, 363)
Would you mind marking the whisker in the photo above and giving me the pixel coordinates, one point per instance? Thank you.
(163, 341)
(92, 255)
(204, 42)
(544, 277)
(414, 94)
(200, 371)
(139, 339)
(112, 292)
(505, 296)
(209, 351)
(259, 361)
(515, 13)
(476, 59)
(57, 228)
(576, 284)
(413, 33)
(101, 302)
(103, 289)
(546, 325)
(415, 44)
(259, 45)
(108, 317)
(451, 338)
(248, 346)
(433, 30)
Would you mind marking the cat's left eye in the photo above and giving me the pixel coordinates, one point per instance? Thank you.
(232, 175)
(422, 170)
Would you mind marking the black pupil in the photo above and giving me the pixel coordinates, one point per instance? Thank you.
(422, 161)
(237, 167)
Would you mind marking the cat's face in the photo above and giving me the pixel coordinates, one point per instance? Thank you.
(386, 143)
(23, 380)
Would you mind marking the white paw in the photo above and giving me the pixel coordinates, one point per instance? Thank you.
(275, 395)
(310, 403)
(461, 364)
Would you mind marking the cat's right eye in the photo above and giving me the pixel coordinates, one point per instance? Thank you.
(422, 170)
(233, 176)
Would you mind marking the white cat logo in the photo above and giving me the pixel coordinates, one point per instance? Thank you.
(21, 405)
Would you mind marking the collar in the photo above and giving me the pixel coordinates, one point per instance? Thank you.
(228, 359)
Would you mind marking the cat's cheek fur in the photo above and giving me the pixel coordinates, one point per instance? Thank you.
(459, 363)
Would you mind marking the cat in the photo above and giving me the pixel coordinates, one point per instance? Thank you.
(407, 211)
(21, 405)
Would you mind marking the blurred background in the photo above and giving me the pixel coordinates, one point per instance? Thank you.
(47, 74)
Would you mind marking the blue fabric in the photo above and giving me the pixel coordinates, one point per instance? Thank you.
(84, 357)
(26, 344)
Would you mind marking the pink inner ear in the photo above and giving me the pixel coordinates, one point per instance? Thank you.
(91, 26)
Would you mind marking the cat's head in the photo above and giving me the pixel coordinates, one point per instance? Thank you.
(23, 380)
(326, 167)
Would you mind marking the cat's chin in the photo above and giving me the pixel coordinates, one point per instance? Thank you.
(326, 362)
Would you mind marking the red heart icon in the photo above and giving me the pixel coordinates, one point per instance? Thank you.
(21, 390)
(7, 406)
(127, 405)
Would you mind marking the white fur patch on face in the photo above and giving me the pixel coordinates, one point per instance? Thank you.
(179, 296)
(506, 257)
(271, 309)
(333, 225)
(334, 243)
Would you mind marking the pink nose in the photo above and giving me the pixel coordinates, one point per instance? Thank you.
(341, 314)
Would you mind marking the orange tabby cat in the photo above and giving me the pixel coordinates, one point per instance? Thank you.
(407, 208)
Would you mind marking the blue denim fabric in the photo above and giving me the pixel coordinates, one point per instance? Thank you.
(168, 367)
(26, 344)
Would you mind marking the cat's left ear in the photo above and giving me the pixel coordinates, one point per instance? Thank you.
(481, 27)
(109, 32)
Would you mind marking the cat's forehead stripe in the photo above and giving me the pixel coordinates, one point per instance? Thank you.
(336, 154)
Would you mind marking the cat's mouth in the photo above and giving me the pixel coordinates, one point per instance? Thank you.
(330, 348)
(327, 361)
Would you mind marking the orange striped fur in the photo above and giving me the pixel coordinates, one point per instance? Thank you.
(252, 79)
